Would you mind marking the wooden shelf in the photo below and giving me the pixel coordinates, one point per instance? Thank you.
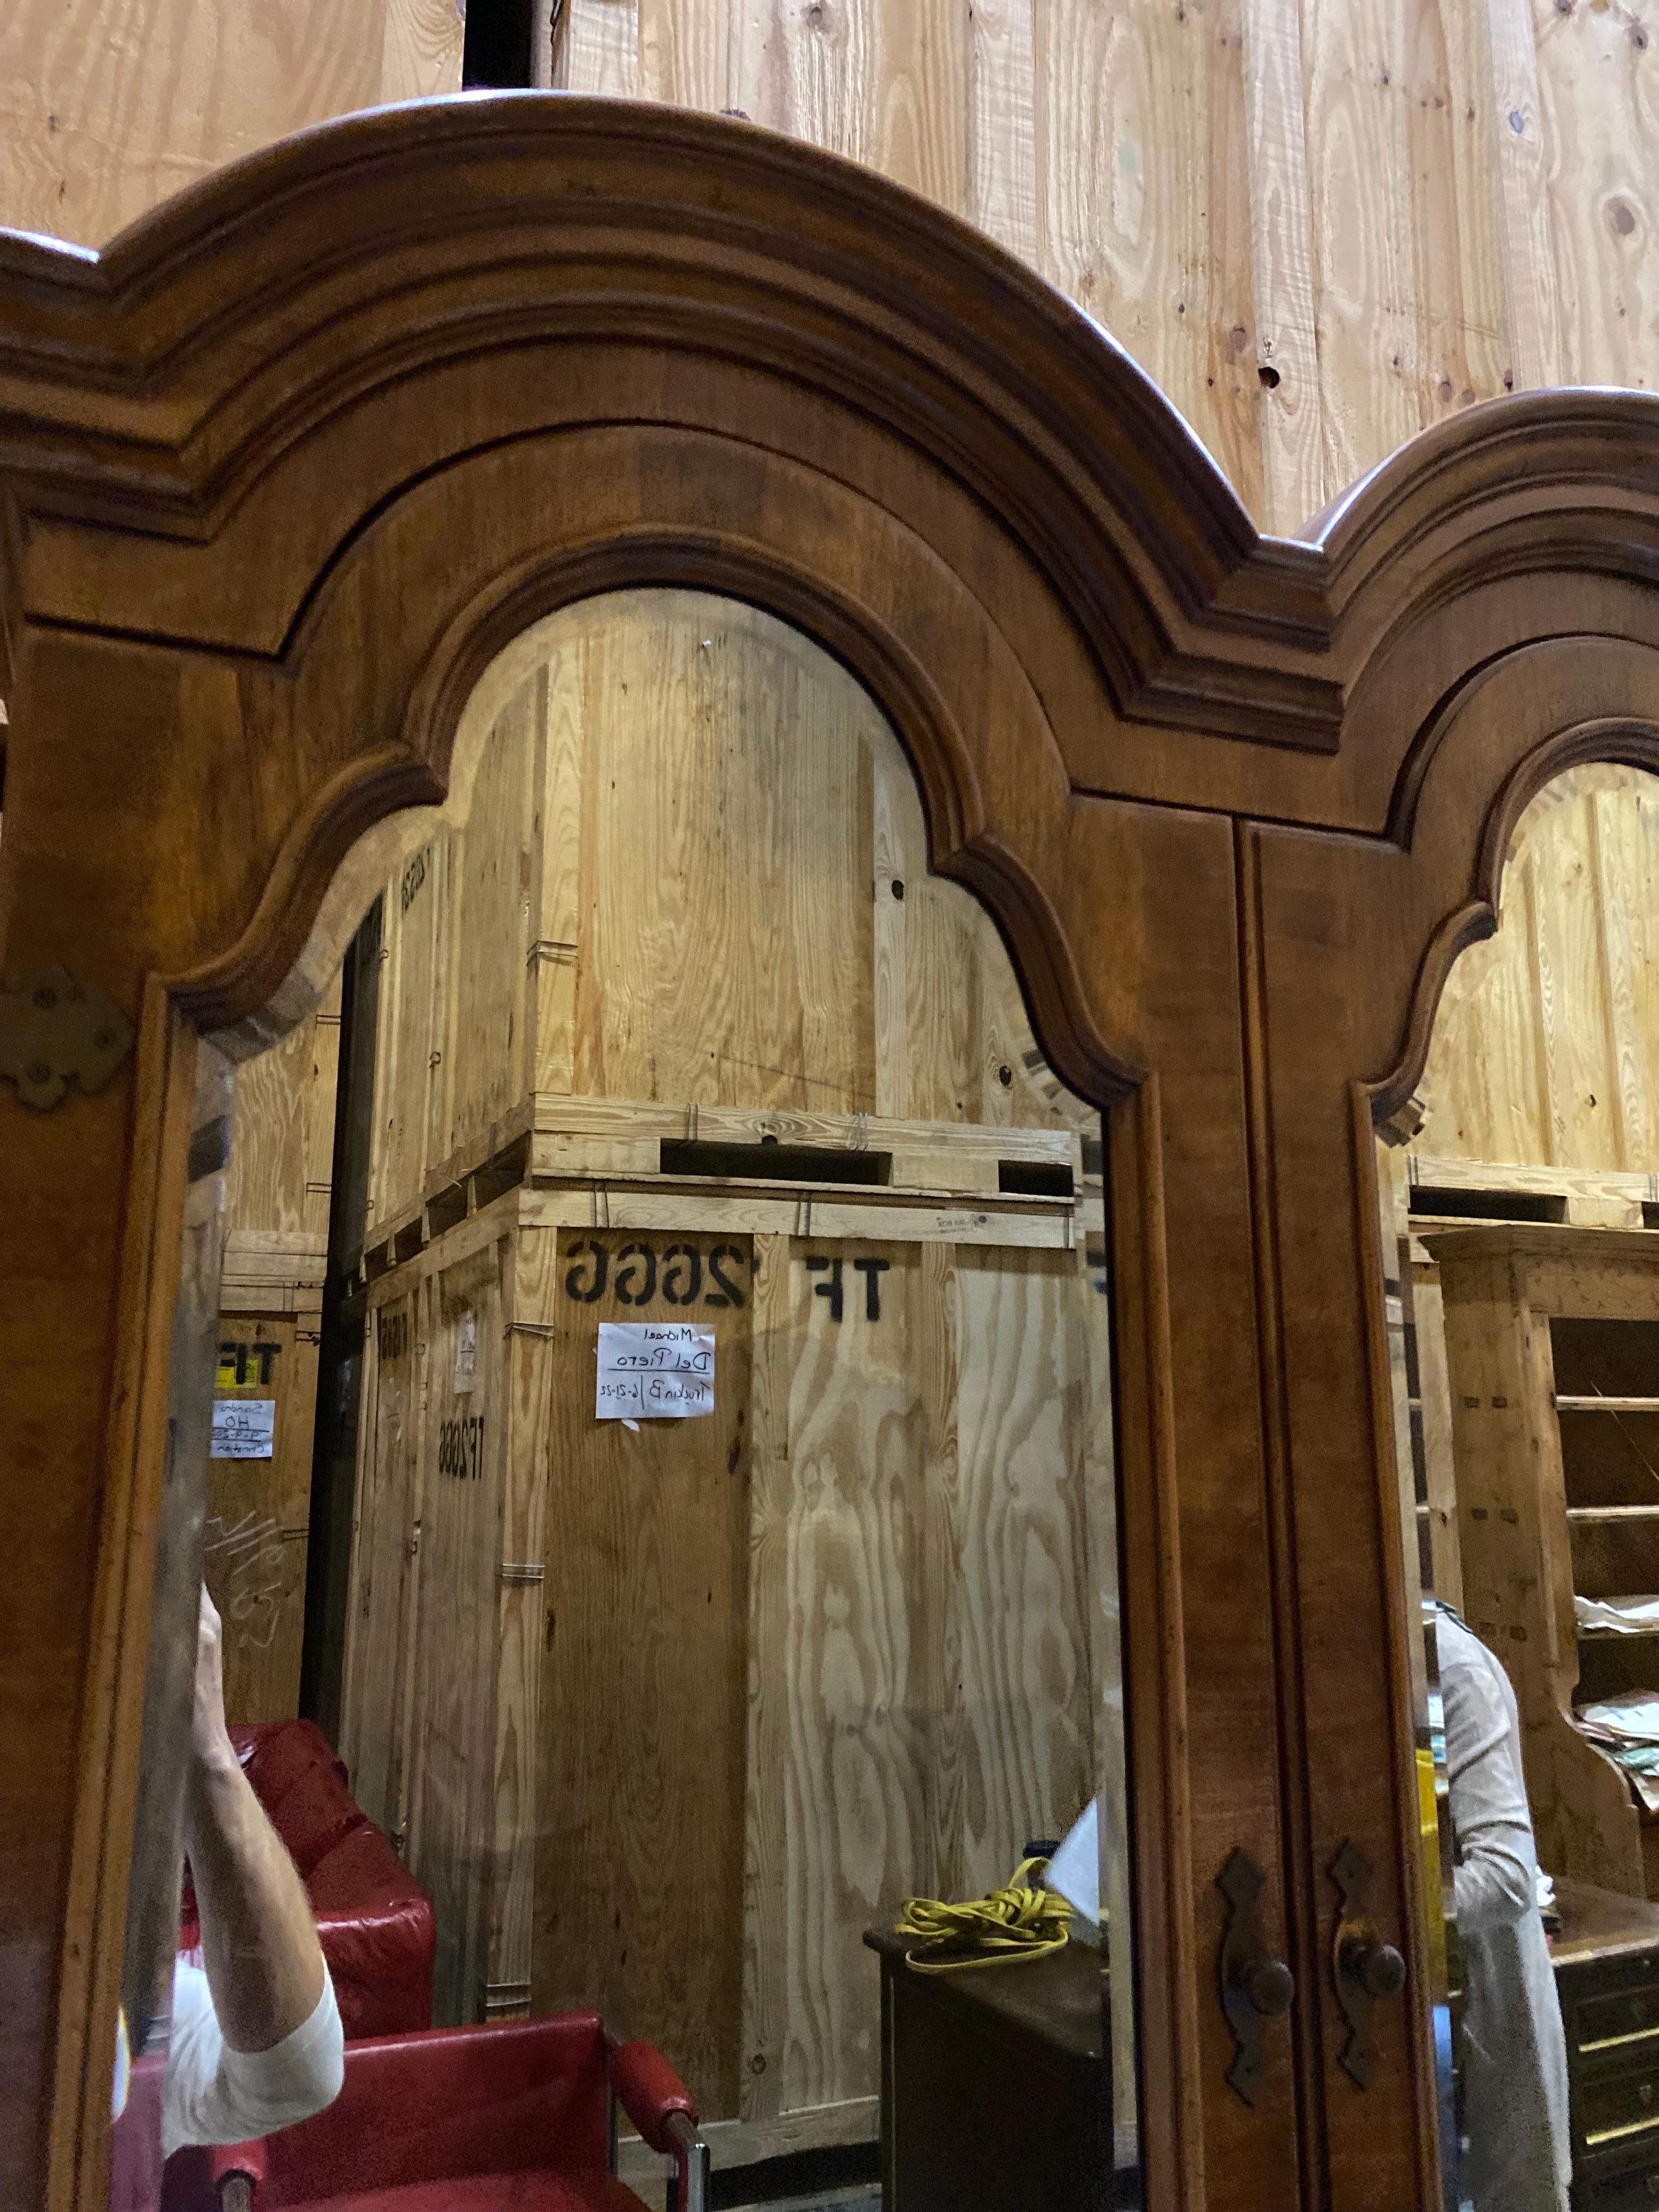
(1607, 1405)
(1583, 1514)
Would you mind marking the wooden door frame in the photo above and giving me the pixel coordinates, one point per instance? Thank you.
(288, 462)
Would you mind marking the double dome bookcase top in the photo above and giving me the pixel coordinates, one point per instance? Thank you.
(286, 465)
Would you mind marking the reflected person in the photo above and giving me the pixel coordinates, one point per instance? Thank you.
(1519, 2157)
(256, 2043)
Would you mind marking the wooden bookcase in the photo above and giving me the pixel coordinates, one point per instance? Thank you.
(1552, 1335)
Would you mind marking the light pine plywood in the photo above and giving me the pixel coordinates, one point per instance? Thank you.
(420, 49)
(452, 1832)
(1145, 195)
(258, 1515)
(105, 111)
(1598, 96)
(638, 1876)
(1545, 1051)
(1407, 266)
(1022, 1434)
(385, 1557)
(283, 1132)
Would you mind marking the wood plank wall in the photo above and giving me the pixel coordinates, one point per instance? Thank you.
(1318, 227)
(1546, 1049)
(107, 110)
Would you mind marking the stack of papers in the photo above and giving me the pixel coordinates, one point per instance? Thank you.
(1627, 1728)
(1618, 1616)
(1074, 1872)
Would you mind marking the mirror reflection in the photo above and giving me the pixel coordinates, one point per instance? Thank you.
(660, 1495)
(1520, 1219)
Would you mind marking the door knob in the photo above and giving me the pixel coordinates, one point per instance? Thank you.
(1270, 1986)
(1255, 1986)
(1363, 1956)
(1366, 1970)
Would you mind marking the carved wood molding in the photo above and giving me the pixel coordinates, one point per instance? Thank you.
(156, 384)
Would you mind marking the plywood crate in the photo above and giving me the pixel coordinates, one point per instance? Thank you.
(667, 1719)
(675, 1022)
(693, 876)
(270, 1333)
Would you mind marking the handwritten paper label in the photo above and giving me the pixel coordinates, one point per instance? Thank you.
(654, 1370)
(244, 1428)
(466, 1354)
(959, 1224)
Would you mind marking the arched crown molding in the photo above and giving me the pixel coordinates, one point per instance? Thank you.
(153, 385)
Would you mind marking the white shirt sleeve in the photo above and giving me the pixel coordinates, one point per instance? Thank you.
(218, 2095)
(1497, 1881)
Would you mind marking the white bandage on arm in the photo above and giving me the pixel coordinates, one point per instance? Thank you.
(218, 2095)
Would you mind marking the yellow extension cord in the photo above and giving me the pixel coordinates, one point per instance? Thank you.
(1018, 1921)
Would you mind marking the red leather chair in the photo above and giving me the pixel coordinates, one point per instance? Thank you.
(515, 2115)
(374, 1920)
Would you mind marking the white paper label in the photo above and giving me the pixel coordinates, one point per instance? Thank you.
(466, 1354)
(244, 1428)
(652, 1371)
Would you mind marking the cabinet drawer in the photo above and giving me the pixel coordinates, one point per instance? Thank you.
(1619, 2113)
(1621, 2020)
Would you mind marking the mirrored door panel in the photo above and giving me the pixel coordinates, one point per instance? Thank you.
(696, 1433)
(1523, 1239)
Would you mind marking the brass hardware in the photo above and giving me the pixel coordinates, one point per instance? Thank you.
(51, 1030)
(1255, 1986)
(1366, 1970)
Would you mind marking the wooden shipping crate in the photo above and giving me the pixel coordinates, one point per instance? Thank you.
(691, 875)
(674, 1022)
(665, 1719)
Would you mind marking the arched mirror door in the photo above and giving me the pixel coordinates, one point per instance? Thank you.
(711, 1529)
(1524, 1289)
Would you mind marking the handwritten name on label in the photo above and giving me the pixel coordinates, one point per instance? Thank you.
(654, 1372)
(244, 1428)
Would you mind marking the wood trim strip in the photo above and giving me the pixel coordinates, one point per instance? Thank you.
(1405, 1841)
(1167, 1975)
(1302, 1902)
(110, 1727)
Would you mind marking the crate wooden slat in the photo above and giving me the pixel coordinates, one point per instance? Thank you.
(1612, 1200)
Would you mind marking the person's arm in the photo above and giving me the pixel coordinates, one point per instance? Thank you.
(1496, 1883)
(264, 1966)
(257, 2042)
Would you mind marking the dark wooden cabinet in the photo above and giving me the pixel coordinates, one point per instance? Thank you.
(1607, 1971)
(994, 2094)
